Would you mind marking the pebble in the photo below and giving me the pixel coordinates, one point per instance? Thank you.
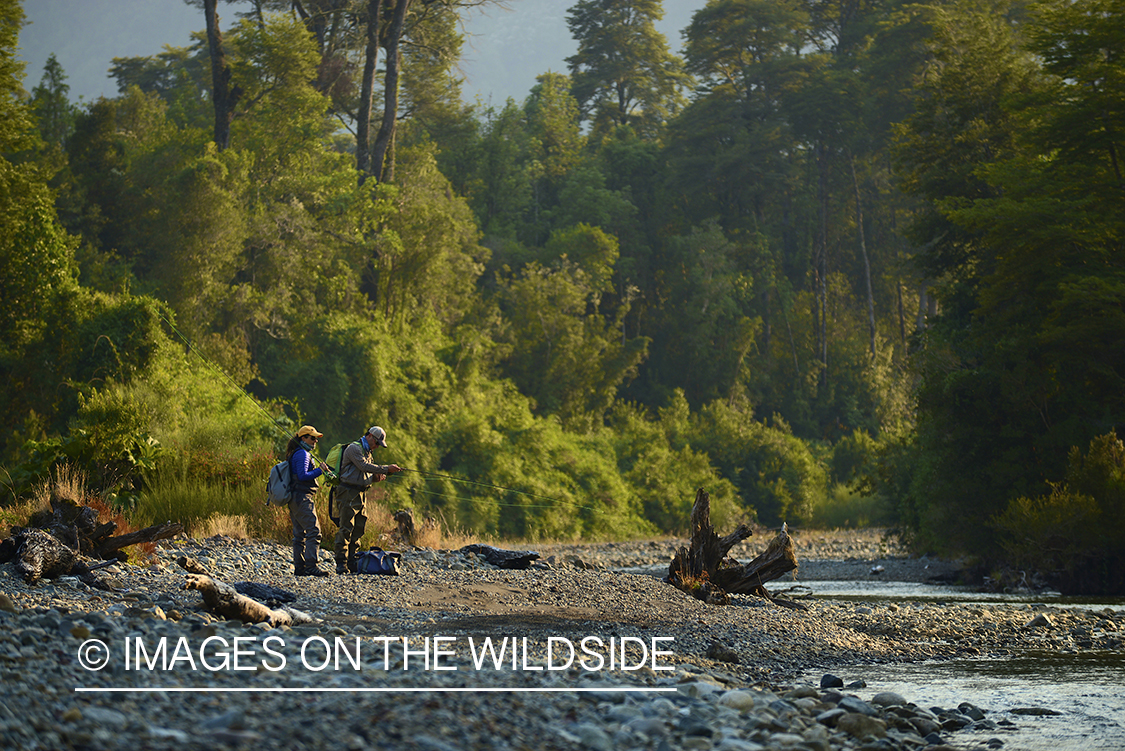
(704, 700)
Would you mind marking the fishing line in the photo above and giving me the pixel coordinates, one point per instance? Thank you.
(498, 503)
(217, 369)
(555, 502)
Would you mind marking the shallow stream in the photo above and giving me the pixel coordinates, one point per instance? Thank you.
(1086, 689)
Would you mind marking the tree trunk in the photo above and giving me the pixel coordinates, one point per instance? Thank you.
(863, 251)
(223, 96)
(390, 91)
(705, 572)
(789, 329)
(822, 268)
(367, 91)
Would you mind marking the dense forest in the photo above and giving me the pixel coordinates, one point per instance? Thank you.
(843, 262)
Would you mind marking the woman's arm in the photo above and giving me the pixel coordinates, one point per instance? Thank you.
(300, 464)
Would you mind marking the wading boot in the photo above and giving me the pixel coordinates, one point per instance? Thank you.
(313, 570)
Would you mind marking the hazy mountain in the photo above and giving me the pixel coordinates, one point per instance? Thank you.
(504, 51)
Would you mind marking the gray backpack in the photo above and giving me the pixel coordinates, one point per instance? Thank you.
(279, 488)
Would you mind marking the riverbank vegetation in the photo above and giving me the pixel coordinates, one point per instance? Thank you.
(838, 265)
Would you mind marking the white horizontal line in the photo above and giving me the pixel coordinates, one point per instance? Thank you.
(287, 689)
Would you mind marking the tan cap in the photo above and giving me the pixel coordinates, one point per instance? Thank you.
(309, 430)
(378, 435)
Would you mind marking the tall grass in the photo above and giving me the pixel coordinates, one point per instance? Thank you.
(207, 507)
(846, 508)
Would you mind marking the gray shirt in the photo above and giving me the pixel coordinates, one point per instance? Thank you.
(356, 467)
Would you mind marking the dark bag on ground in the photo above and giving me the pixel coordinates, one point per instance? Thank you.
(378, 561)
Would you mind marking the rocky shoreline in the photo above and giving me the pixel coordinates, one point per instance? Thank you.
(583, 650)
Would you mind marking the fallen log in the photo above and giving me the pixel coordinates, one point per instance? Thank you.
(40, 555)
(263, 593)
(514, 559)
(705, 571)
(223, 599)
(110, 547)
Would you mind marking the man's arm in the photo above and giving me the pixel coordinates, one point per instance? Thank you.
(353, 454)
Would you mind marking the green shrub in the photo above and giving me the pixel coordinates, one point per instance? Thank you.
(665, 472)
(1075, 534)
(775, 473)
(847, 508)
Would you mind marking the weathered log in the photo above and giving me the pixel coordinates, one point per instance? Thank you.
(110, 547)
(704, 570)
(223, 599)
(514, 559)
(40, 555)
(778, 559)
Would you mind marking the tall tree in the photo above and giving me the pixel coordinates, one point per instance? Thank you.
(53, 111)
(623, 72)
(36, 263)
(990, 396)
(224, 96)
(563, 351)
(371, 18)
(381, 163)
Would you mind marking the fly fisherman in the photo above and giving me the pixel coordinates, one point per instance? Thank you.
(302, 512)
(357, 474)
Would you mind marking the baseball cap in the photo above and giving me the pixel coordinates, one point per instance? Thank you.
(379, 435)
(309, 430)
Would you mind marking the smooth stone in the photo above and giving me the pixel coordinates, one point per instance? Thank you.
(740, 700)
(859, 726)
(831, 681)
(887, 699)
(857, 706)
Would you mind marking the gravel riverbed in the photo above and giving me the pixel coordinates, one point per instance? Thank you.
(585, 650)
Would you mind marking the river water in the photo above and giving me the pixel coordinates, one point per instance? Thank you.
(1086, 689)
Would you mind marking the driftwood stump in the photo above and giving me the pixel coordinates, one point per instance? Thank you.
(409, 533)
(61, 541)
(705, 571)
(76, 526)
(406, 533)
